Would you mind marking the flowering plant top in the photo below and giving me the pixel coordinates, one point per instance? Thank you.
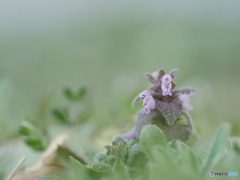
(164, 97)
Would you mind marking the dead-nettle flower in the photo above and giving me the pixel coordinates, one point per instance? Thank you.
(148, 102)
(166, 85)
(164, 106)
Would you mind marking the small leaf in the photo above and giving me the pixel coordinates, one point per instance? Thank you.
(185, 90)
(161, 74)
(60, 115)
(151, 78)
(170, 111)
(172, 73)
(69, 94)
(118, 148)
(100, 163)
(36, 144)
(24, 131)
(81, 93)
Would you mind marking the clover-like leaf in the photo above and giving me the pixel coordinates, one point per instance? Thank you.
(170, 111)
(70, 95)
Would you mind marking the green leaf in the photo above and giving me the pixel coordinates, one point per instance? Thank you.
(85, 172)
(118, 148)
(61, 115)
(101, 163)
(70, 95)
(192, 160)
(120, 171)
(35, 144)
(216, 148)
(171, 111)
(33, 136)
(24, 131)
(137, 159)
(81, 94)
(152, 137)
(80, 170)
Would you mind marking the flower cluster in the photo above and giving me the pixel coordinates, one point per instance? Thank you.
(148, 102)
(163, 104)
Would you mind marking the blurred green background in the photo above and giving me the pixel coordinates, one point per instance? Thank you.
(107, 46)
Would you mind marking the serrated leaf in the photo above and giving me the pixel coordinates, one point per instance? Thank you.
(100, 163)
(152, 137)
(216, 148)
(170, 111)
(118, 148)
(112, 159)
(121, 171)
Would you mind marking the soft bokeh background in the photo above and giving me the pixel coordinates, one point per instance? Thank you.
(107, 46)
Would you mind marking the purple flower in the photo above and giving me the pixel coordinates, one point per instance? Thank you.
(148, 102)
(144, 94)
(145, 110)
(130, 134)
(186, 101)
(166, 85)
